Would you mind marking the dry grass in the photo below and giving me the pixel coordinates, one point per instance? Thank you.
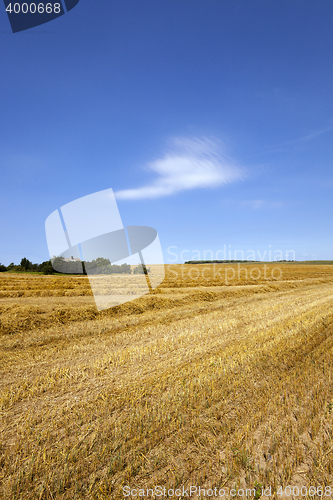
(201, 382)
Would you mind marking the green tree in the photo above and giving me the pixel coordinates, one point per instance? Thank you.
(141, 269)
(98, 266)
(26, 264)
(46, 267)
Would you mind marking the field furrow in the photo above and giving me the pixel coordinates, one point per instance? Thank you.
(217, 386)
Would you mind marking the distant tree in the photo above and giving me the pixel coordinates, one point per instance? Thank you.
(2, 268)
(98, 266)
(125, 269)
(13, 268)
(46, 267)
(26, 264)
(59, 265)
(141, 269)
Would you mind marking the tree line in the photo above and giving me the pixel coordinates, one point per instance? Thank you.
(61, 266)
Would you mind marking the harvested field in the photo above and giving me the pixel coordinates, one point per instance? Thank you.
(219, 378)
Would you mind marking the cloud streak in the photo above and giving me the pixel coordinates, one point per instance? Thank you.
(191, 163)
(313, 135)
(262, 204)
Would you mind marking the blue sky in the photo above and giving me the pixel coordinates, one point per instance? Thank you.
(212, 120)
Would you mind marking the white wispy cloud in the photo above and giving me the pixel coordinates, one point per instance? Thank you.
(190, 163)
(255, 204)
(312, 135)
(258, 204)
